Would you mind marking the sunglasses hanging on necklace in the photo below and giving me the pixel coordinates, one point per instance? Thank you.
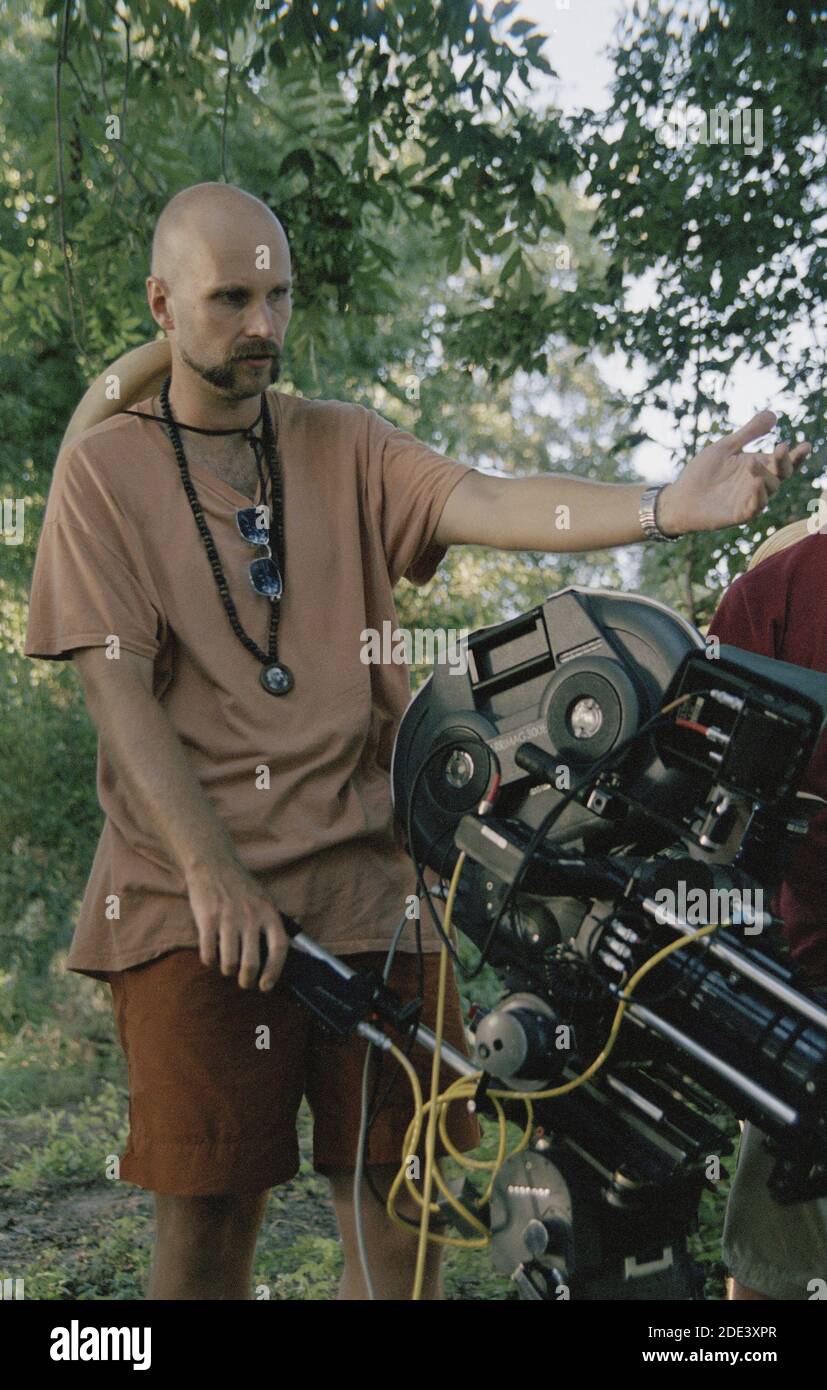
(266, 572)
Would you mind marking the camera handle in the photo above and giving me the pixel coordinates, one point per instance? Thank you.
(352, 1001)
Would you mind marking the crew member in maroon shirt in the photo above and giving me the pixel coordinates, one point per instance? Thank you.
(777, 609)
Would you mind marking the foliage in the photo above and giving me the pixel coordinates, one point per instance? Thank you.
(462, 257)
(375, 295)
(343, 117)
(75, 1147)
(723, 239)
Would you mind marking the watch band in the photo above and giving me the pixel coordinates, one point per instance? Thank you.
(648, 518)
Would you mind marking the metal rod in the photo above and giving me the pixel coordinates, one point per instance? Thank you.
(312, 948)
(450, 1056)
(765, 1099)
(802, 1005)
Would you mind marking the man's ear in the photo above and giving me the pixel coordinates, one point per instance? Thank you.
(160, 303)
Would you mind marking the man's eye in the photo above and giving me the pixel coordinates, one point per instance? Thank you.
(237, 295)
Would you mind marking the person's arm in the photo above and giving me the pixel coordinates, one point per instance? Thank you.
(552, 512)
(140, 373)
(229, 906)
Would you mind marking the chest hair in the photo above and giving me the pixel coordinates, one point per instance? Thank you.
(238, 470)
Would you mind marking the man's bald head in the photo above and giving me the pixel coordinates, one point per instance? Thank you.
(204, 221)
(220, 287)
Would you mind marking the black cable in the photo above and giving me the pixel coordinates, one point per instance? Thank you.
(407, 1045)
(438, 751)
(414, 1024)
(377, 1102)
(421, 885)
(376, 1105)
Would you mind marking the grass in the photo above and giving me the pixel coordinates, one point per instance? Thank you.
(72, 1232)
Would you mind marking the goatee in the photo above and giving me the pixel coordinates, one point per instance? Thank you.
(227, 377)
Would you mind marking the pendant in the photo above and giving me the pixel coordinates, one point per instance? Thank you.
(277, 679)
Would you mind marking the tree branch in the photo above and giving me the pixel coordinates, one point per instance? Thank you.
(62, 49)
(90, 107)
(223, 155)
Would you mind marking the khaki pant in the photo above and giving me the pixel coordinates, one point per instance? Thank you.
(778, 1251)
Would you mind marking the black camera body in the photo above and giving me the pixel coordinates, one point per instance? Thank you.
(622, 746)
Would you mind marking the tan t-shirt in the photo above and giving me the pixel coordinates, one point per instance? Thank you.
(120, 556)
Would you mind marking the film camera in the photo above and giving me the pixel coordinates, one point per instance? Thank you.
(624, 749)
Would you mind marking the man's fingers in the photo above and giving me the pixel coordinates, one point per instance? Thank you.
(250, 957)
(799, 454)
(277, 947)
(784, 460)
(771, 470)
(208, 938)
(779, 463)
(758, 426)
(763, 466)
(228, 937)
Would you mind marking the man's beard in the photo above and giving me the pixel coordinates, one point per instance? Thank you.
(229, 377)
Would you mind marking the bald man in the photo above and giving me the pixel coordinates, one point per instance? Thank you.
(245, 742)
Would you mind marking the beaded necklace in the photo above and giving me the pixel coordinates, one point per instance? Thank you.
(276, 678)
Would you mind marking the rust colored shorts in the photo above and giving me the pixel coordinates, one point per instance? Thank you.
(210, 1112)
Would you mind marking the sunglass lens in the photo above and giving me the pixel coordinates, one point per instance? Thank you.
(266, 578)
(254, 524)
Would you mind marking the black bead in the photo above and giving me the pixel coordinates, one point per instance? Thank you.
(270, 440)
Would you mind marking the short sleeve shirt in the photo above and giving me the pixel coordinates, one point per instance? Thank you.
(777, 610)
(300, 781)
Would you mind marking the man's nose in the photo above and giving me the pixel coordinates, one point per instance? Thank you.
(260, 323)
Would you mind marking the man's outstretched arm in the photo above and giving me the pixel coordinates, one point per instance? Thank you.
(722, 486)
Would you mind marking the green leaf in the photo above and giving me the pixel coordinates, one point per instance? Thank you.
(454, 257)
(629, 440)
(512, 265)
(297, 159)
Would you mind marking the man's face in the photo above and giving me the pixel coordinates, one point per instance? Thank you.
(230, 318)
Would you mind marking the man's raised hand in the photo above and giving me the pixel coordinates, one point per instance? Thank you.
(723, 485)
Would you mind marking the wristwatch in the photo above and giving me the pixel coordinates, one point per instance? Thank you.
(648, 517)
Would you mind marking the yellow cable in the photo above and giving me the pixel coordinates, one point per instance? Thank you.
(430, 1137)
(464, 1088)
(402, 1175)
(625, 998)
(444, 1101)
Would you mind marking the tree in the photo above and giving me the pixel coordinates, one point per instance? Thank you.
(376, 210)
(724, 219)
